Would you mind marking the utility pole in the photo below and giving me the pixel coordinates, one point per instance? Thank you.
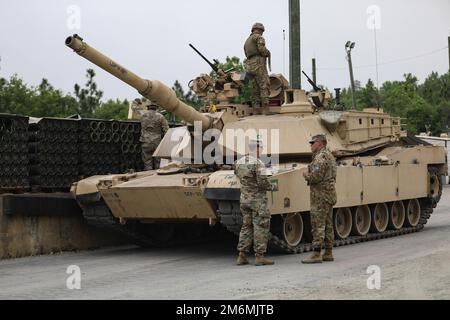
(449, 53)
(294, 44)
(314, 70)
(348, 48)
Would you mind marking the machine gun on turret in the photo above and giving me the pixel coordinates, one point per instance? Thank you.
(214, 66)
(312, 83)
(224, 86)
(320, 97)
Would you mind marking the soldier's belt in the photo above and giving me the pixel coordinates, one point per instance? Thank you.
(255, 55)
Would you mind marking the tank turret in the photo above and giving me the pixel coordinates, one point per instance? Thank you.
(153, 90)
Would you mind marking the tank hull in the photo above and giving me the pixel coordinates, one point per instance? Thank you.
(209, 198)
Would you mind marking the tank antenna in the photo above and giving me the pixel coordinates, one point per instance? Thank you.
(284, 51)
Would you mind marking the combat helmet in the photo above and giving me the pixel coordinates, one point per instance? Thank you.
(318, 137)
(258, 25)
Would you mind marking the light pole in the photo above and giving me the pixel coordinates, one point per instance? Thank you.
(348, 48)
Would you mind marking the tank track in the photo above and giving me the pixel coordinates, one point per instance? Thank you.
(231, 219)
(98, 215)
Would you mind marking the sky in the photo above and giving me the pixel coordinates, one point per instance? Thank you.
(151, 38)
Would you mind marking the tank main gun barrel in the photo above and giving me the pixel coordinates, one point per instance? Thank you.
(153, 90)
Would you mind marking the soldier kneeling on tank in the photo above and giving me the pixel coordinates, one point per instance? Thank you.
(321, 178)
(253, 205)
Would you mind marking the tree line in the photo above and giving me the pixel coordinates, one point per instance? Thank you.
(423, 107)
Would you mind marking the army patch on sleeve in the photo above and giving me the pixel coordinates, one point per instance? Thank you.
(316, 168)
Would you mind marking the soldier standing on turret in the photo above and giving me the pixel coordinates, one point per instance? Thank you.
(153, 127)
(321, 178)
(256, 65)
(253, 204)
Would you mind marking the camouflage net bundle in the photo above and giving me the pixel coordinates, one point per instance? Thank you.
(13, 151)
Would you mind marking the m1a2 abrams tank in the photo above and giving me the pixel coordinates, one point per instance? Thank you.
(387, 182)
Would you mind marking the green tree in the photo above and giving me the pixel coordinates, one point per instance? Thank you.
(235, 64)
(15, 96)
(188, 97)
(50, 102)
(88, 98)
(232, 63)
(431, 89)
(43, 101)
(441, 119)
(436, 89)
(402, 98)
(368, 96)
(112, 109)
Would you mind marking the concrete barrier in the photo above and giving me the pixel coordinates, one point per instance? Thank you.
(25, 235)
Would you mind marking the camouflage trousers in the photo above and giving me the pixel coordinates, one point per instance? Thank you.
(322, 226)
(259, 81)
(255, 227)
(150, 163)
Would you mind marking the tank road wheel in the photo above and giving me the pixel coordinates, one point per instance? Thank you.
(435, 186)
(342, 223)
(292, 229)
(380, 218)
(412, 215)
(396, 215)
(361, 220)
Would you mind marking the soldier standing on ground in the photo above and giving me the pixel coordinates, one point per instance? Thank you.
(153, 128)
(321, 178)
(253, 204)
(256, 65)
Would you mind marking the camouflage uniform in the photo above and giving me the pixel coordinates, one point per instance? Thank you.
(256, 65)
(322, 179)
(255, 215)
(153, 128)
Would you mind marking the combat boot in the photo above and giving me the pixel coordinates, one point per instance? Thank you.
(242, 259)
(328, 255)
(262, 261)
(314, 258)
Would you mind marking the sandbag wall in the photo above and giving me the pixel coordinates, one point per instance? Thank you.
(52, 153)
(13, 152)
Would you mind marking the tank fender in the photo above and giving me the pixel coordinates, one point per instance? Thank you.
(223, 185)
